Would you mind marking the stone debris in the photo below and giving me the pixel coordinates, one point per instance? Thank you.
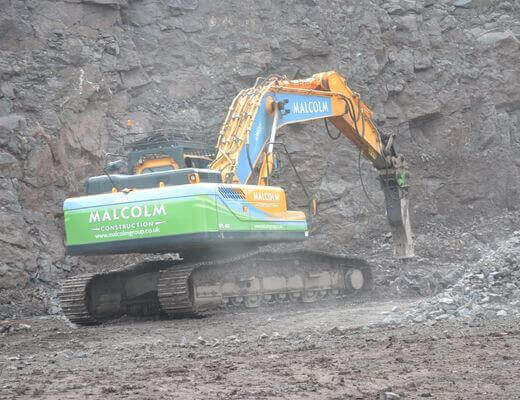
(463, 3)
(490, 288)
(417, 280)
(232, 340)
(70, 355)
(23, 327)
(10, 327)
(338, 331)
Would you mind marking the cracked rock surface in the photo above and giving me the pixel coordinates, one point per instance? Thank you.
(443, 75)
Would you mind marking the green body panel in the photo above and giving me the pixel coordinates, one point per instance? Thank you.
(142, 219)
(156, 213)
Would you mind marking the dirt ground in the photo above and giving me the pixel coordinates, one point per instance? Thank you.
(331, 351)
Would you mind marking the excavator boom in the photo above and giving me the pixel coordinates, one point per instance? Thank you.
(246, 139)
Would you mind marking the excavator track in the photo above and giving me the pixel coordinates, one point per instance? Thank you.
(91, 299)
(250, 280)
(175, 292)
(73, 299)
(267, 278)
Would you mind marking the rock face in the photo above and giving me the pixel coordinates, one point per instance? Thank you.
(445, 77)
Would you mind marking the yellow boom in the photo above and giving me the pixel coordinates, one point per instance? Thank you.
(245, 142)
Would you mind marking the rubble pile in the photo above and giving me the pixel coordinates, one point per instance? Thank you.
(488, 289)
(8, 327)
(419, 278)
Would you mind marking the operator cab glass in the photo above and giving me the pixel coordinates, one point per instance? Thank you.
(159, 168)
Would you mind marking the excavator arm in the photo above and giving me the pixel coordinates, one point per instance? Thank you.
(249, 131)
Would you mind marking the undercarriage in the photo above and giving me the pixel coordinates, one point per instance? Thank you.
(175, 287)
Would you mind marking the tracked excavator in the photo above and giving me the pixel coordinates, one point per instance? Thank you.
(214, 209)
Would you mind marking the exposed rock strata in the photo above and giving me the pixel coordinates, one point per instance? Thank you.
(444, 75)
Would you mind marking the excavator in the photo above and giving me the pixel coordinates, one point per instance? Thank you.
(211, 212)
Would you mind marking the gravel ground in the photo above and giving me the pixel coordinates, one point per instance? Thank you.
(388, 344)
(337, 351)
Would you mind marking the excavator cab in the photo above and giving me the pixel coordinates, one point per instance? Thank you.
(157, 161)
(162, 152)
